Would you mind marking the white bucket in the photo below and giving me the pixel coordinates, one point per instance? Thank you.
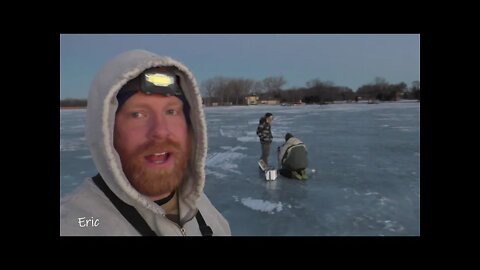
(271, 175)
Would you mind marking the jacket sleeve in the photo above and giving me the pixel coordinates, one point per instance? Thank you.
(259, 130)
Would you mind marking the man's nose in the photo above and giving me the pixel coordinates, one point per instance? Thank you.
(158, 128)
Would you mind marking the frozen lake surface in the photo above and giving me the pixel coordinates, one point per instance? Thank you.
(366, 159)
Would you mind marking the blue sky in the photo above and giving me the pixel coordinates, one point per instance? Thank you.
(350, 60)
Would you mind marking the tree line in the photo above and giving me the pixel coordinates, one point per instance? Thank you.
(73, 102)
(382, 90)
(232, 91)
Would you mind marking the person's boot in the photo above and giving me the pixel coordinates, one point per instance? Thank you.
(296, 175)
(304, 175)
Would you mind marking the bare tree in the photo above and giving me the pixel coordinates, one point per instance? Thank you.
(415, 85)
(73, 102)
(318, 82)
(273, 83)
(243, 87)
(215, 89)
(257, 88)
(313, 83)
(227, 90)
(220, 86)
(208, 87)
(416, 90)
(380, 81)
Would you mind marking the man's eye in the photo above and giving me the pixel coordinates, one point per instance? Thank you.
(136, 114)
(172, 112)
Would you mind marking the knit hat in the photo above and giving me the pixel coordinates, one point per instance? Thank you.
(122, 96)
(288, 136)
(138, 84)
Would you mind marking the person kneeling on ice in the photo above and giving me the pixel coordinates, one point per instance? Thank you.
(292, 157)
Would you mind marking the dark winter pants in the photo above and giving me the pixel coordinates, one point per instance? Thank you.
(285, 172)
(265, 151)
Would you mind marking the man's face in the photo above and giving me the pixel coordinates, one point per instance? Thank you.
(152, 138)
(270, 119)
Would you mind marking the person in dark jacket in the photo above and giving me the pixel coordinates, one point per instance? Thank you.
(292, 156)
(264, 132)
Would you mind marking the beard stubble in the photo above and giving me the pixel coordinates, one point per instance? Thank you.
(155, 181)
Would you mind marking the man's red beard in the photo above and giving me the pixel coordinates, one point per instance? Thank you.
(154, 182)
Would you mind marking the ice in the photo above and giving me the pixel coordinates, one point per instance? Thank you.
(261, 205)
(75, 158)
(227, 161)
(366, 159)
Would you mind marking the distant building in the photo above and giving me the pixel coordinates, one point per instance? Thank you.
(270, 102)
(252, 100)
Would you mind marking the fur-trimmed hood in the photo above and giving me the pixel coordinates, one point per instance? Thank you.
(102, 105)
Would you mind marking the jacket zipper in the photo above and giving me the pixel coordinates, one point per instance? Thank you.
(182, 230)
